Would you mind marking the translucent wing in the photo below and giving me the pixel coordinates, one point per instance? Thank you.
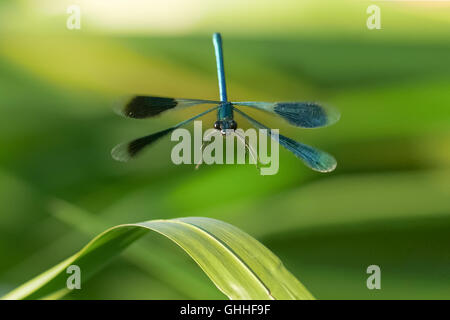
(300, 114)
(140, 107)
(128, 150)
(316, 159)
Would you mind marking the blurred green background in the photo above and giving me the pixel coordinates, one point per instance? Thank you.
(387, 203)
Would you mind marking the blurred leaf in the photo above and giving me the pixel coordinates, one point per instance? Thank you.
(345, 200)
(239, 266)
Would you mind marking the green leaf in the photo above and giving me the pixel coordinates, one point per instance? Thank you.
(240, 266)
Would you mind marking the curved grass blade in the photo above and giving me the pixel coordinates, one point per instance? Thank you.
(128, 150)
(141, 107)
(300, 114)
(240, 266)
(315, 159)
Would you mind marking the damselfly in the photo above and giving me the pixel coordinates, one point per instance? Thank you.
(300, 114)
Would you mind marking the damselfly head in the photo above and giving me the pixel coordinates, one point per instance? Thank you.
(225, 126)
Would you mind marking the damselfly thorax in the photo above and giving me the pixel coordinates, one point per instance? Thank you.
(225, 120)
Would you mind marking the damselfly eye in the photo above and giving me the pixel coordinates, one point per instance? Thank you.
(233, 125)
(217, 125)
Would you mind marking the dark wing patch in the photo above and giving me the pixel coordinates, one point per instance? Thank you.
(135, 146)
(303, 114)
(140, 107)
(300, 114)
(316, 159)
(126, 151)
